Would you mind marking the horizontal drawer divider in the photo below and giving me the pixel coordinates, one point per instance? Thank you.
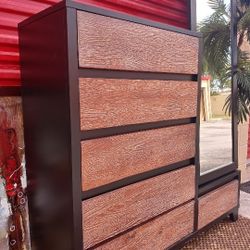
(135, 178)
(206, 188)
(217, 173)
(139, 225)
(105, 132)
(125, 74)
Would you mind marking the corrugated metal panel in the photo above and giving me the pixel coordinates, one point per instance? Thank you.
(14, 11)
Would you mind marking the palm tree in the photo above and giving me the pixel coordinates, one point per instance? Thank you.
(216, 62)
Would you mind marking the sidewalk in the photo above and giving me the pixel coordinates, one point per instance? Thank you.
(245, 205)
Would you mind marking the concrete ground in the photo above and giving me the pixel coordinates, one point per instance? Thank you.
(215, 144)
(244, 204)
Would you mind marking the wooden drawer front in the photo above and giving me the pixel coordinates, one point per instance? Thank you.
(218, 202)
(115, 102)
(108, 43)
(107, 215)
(105, 160)
(159, 233)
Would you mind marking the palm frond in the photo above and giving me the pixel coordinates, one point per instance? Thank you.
(242, 107)
(228, 105)
(243, 84)
(216, 61)
(216, 35)
(244, 24)
(219, 6)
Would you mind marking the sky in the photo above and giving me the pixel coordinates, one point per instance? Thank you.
(203, 10)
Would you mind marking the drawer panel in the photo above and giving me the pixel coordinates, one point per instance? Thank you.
(109, 214)
(159, 233)
(116, 102)
(109, 43)
(218, 202)
(105, 160)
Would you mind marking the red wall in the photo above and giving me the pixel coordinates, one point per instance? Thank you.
(13, 11)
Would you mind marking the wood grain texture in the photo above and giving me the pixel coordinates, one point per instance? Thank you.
(105, 160)
(109, 43)
(116, 102)
(12, 108)
(159, 233)
(217, 203)
(107, 215)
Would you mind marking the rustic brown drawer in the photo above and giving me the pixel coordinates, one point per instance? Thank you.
(109, 214)
(159, 233)
(105, 160)
(218, 202)
(115, 102)
(108, 43)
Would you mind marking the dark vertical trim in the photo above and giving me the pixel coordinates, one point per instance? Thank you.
(72, 43)
(193, 18)
(46, 106)
(234, 63)
(197, 153)
(239, 178)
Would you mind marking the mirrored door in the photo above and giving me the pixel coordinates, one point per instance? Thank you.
(218, 96)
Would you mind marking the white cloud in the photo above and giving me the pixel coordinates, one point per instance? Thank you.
(203, 10)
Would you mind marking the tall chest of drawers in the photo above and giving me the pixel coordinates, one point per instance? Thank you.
(110, 113)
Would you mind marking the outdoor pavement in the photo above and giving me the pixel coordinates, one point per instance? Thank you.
(215, 144)
(244, 205)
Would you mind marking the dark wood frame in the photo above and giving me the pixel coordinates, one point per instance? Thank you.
(73, 72)
(10, 91)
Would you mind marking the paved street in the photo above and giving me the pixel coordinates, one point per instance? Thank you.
(215, 144)
(244, 204)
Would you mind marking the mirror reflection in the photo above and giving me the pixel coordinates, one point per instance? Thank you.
(216, 148)
(215, 125)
